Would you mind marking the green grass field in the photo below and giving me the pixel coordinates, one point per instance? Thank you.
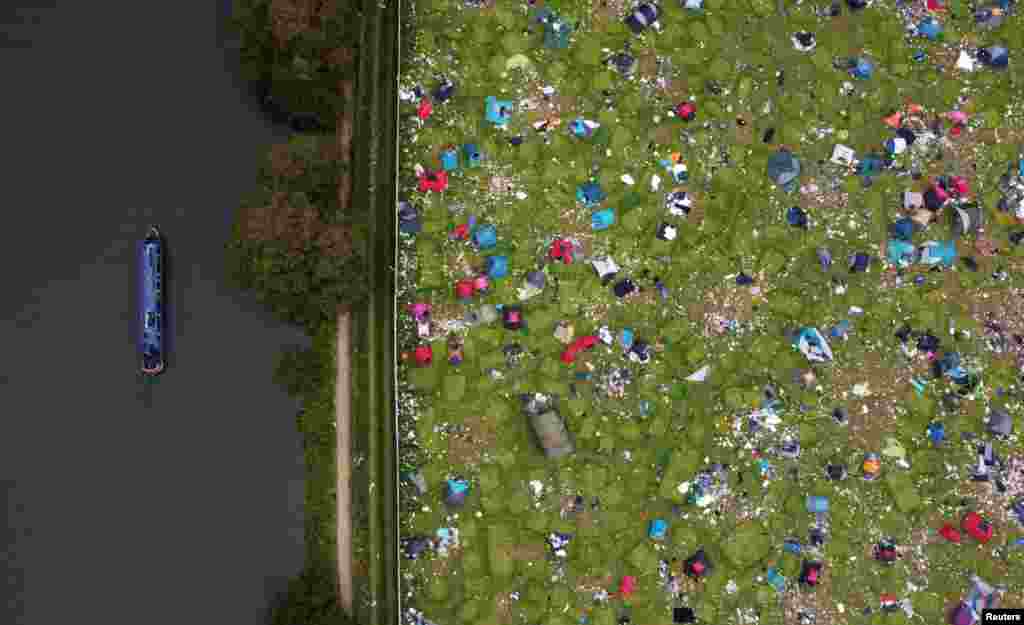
(461, 421)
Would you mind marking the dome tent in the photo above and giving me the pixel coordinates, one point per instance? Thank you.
(784, 169)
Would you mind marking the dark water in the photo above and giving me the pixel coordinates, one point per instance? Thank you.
(180, 502)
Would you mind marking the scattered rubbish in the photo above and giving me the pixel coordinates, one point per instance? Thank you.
(813, 345)
(872, 466)
(810, 572)
(700, 375)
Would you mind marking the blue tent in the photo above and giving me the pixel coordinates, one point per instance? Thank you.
(936, 432)
(784, 169)
(602, 219)
(456, 491)
(485, 237)
(903, 229)
(450, 160)
(930, 28)
(657, 529)
(933, 253)
(472, 154)
(590, 193)
(994, 56)
(583, 128)
(901, 253)
(499, 112)
(869, 166)
(862, 69)
(497, 266)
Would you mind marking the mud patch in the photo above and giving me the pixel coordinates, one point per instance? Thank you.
(478, 435)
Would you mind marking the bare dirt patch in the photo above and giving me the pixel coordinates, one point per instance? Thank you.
(872, 418)
(477, 435)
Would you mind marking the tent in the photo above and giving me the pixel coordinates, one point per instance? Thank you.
(485, 237)
(449, 159)
(498, 112)
(606, 268)
(497, 266)
(1000, 422)
(472, 154)
(408, 218)
(590, 193)
(602, 219)
(583, 128)
(556, 33)
(935, 252)
(900, 252)
(813, 345)
(644, 15)
(783, 169)
(994, 56)
(862, 69)
(456, 491)
(966, 219)
(552, 434)
(930, 28)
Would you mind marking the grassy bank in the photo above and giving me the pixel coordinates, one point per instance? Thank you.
(373, 405)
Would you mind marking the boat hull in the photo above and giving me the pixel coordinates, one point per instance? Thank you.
(151, 309)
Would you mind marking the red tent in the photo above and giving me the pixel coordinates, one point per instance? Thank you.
(627, 587)
(687, 111)
(580, 344)
(561, 249)
(959, 185)
(424, 355)
(434, 181)
(425, 109)
(977, 527)
(464, 289)
(950, 533)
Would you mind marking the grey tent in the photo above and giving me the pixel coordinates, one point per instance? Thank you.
(536, 279)
(783, 169)
(1000, 422)
(965, 220)
(552, 434)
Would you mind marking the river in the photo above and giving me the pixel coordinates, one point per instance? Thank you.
(180, 502)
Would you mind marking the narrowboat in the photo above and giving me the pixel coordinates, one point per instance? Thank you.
(152, 308)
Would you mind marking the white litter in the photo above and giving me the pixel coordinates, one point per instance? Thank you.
(655, 182)
(626, 178)
(842, 155)
(965, 62)
(521, 195)
(699, 375)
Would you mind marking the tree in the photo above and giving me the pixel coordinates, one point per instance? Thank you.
(300, 371)
(298, 52)
(311, 599)
(293, 242)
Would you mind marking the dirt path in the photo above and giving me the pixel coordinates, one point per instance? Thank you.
(343, 430)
